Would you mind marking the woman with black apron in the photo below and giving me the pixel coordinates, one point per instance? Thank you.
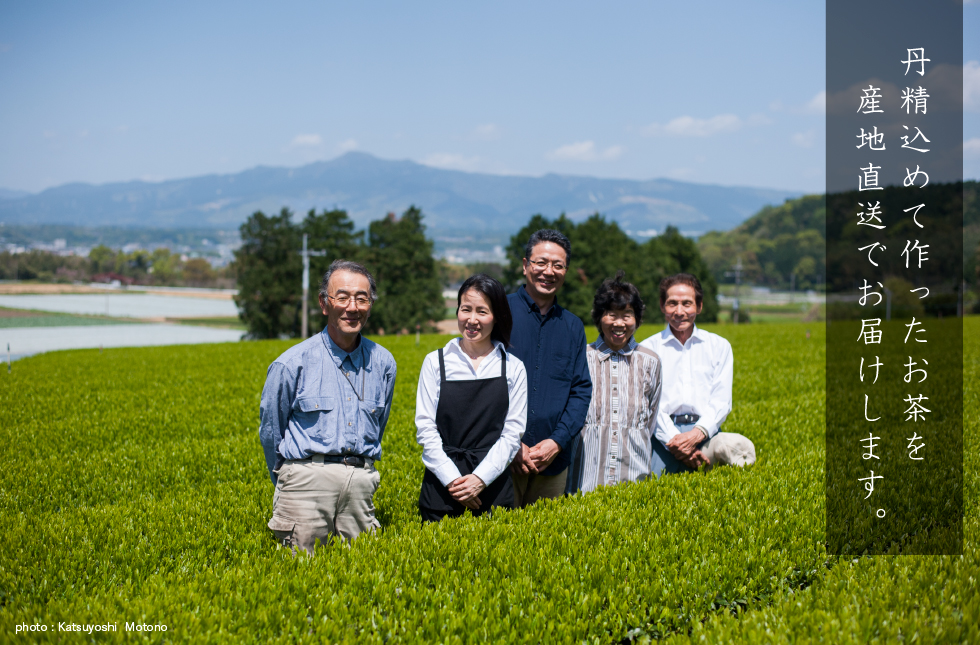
(471, 408)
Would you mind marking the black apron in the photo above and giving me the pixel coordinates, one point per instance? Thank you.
(470, 418)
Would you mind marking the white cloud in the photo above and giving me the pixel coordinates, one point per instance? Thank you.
(818, 104)
(971, 85)
(803, 139)
(585, 151)
(451, 161)
(486, 132)
(689, 126)
(306, 141)
(971, 148)
(346, 145)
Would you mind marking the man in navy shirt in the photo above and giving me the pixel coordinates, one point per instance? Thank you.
(550, 341)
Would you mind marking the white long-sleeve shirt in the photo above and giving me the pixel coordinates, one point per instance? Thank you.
(459, 367)
(697, 379)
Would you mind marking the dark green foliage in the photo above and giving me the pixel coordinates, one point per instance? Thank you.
(269, 269)
(400, 257)
(600, 248)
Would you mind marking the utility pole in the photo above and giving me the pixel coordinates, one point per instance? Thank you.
(737, 274)
(306, 253)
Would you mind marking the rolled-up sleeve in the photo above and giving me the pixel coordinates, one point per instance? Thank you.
(505, 448)
(579, 397)
(276, 403)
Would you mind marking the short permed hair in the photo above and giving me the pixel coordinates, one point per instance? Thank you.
(496, 297)
(615, 294)
(352, 267)
(681, 278)
(548, 235)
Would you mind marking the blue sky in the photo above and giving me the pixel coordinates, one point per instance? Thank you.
(715, 92)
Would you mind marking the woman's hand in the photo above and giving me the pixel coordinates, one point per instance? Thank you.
(466, 489)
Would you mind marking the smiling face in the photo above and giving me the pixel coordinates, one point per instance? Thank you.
(474, 317)
(618, 326)
(680, 309)
(545, 270)
(346, 319)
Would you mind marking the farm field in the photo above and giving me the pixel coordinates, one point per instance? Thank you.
(136, 491)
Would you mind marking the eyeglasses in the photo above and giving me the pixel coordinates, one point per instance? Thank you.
(541, 265)
(344, 299)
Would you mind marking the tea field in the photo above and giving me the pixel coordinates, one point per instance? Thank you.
(135, 491)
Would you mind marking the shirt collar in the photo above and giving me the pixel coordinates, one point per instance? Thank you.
(605, 351)
(668, 336)
(356, 357)
(533, 306)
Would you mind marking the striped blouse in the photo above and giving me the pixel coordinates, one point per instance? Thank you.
(616, 438)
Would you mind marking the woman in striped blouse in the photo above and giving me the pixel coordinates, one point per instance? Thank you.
(615, 443)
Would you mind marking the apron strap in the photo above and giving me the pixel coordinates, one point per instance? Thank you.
(503, 363)
(442, 368)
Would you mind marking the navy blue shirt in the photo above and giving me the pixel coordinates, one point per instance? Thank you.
(559, 389)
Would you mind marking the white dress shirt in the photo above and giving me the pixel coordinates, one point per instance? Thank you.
(697, 379)
(459, 367)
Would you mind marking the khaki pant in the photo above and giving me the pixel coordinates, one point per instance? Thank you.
(530, 488)
(317, 501)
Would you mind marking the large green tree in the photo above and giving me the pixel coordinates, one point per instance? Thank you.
(600, 248)
(269, 270)
(400, 257)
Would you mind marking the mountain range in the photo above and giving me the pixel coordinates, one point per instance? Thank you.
(459, 207)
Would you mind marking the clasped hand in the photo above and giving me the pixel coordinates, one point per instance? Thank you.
(466, 489)
(684, 447)
(530, 461)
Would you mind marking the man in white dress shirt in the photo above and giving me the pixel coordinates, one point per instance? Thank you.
(696, 394)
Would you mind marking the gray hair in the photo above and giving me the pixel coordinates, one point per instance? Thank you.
(548, 235)
(351, 267)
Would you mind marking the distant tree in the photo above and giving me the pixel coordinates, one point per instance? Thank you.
(331, 231)
(268, 270)
(102, 258)
(197, 272)
(400, 257)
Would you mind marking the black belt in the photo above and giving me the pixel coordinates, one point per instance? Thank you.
(685, 419)
(348, 460)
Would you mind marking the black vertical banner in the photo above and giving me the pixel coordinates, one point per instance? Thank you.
(894, 470)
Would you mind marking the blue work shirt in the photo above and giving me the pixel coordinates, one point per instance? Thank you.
(559, 388)
(310, 406)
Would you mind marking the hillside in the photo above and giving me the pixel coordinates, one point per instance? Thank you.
(781, 241)
(469, 208)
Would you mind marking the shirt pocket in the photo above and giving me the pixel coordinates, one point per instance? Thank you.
(560, 367)
(371, 413)
(313, 412)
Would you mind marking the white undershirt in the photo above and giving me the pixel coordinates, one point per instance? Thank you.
(697, 379)
(459, 367)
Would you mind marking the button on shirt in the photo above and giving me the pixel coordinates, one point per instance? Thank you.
(320, 399)
(459, 367)
(697, 379)
(552, 348)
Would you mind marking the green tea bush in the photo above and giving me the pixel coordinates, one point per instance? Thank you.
(135, 491)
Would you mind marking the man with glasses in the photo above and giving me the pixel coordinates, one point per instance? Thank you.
(550, 341)
(323, 412)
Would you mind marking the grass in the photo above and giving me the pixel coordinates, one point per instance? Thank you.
(136, 490)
